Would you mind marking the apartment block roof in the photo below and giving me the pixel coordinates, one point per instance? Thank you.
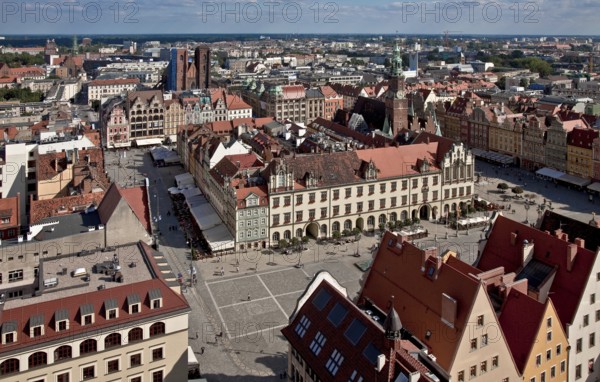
(9, 209)
(590, 233)
(41, 209)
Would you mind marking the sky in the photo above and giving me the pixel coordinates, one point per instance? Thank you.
(536, 17)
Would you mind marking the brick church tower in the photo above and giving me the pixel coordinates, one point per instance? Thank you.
(396, 103)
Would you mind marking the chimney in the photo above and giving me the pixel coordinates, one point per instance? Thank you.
(427, 141)
(579, 242)
(527, 252)
(571, 253)
(558, 233)
(237, 163)
(513, 238)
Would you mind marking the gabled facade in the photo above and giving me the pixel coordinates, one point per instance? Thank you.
(448, 311)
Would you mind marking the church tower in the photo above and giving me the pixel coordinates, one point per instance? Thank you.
(396, 103)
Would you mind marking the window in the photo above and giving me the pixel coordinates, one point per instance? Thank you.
(578, 372)
(112, 314)
(597, 315)
(483, 367)
(548, 354)
(549, 322)
(337, 314)
(480, 320)
(287, 200)
(484, 340)
(549, 336)
(473, 344)
(275, 202)
(393, 201)
(473, 372)
(371, 205)
(63, 352)
(14, 276)
(88, 319)
(359, 192)
(579, 345)
(382, 188)
(38, 359)
(586, 320)
(302, 326)
(371, 189)
(318, 343)
(287, 217)
(324, 212)
(323, 196)
(563, 366)
(494, 362)
(355, 377)
(538, 360)
(553, 372)
(461, 376)
(88, 346)
(113, 339)
(135, 360)
(355, 331)
(415, 183)
(157, 354)
(532, 379)
(336, 194)
(299, 215)
(359, 206)
(64, 377)
(298, 199)
(311, 214)
(592, 340)
(393, 186)
(348, 192)
(348, 208)
(311, 197)
(88, 372)
(414, 198)
(404, 200)
(112, 366)
(334, 362)
(558, 349)
(157, 376)
(157, 329)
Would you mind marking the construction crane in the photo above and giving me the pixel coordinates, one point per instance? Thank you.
(446, 33)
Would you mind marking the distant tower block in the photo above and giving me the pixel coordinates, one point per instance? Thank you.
(75, 48)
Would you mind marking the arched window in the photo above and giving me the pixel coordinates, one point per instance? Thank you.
(382, 219)
(276, 237)
(157, 328)
(299, 232)
(323, 229)
(348, 224)
(10, 366)
(404, 215)
(335, 227)
(113, 339)
(38, 359)
(63, 352)
(371, 221)
(287, 235)
(135, 334)
(393, 216)
(88, 346)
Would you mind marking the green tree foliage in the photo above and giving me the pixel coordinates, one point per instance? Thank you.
(18, 94)
(17, 60)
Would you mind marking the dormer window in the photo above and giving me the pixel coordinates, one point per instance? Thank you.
(156, 300)
(36, 326)
(61, 320)
(134, 304)
(111, 310)
(371, 171)
(9, 332)
(87, 314)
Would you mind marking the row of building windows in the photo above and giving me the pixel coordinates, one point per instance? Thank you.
(483, 368)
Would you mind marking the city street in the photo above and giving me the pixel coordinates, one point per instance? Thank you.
(241, 300)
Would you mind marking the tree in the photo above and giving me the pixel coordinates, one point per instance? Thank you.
(391, 225)
(295, 241)
(96, 105)
(381, 226)
(356, 231)
(517, 190)
(501, 83)
(283, 244)
(305, 239)
(524, 82)
(517, 54)
(416, 220)
(503, 187)
(336, 234)
(408, 222)
(346, 232)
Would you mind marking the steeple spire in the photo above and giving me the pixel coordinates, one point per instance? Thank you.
(392, 325)
(397, 62)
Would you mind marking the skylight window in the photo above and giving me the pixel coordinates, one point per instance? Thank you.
(355, 331)
(322, 299)
(337, 314)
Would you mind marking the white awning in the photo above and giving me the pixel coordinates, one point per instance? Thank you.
(574, 180)
(594, 187)
(214, 230)
(550, 173)
(492, 156)
(148, 142)
(120, 144)
(192, 360)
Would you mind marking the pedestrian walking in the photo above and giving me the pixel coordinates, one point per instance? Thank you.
(197, 335)
(237, 269)
(202, 350)
(248, 296)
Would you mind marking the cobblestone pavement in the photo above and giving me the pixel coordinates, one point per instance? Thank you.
(237, 317)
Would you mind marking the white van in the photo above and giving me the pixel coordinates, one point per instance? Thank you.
(79, 272)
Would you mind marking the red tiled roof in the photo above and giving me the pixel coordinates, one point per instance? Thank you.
(137, 198)
(444, 144)
(235, 102)
(400, 161)
(521, 329)
(567, 287)
(354, 358)
(9, 209)
(172, 302)
(397, 271)
(260, 191)
(41, 209)
(582, 138)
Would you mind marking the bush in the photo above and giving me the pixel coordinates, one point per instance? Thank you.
(517, 190)
(356, 231)
(295, 241)
(502, 186)
(346, 232)
(416, 221)
(336, 234)
(283, 244)
(408, 222)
